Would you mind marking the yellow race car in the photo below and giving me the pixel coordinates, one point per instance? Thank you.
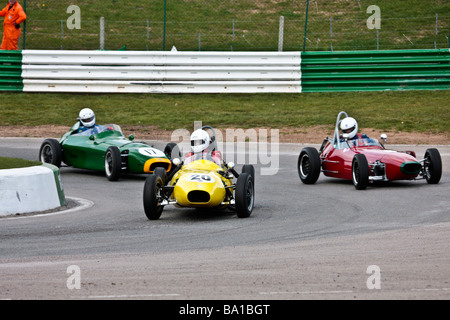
(201, 180)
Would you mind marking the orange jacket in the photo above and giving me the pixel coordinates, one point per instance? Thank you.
(15, 15)
(11, 34)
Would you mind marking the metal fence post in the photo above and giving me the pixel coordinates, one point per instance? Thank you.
(102, 33)
(306, 26)
(281, 34)
(164, 28)
(24, 25)
(435, 45)
(62, 34)
(233, 31)
(331, 33)
(378, 39)
(148, 33)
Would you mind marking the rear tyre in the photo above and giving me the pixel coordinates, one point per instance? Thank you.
(432, 166)
(113, 163)
(152, 197)
(244, 195)
(360, 171)
(51, 152)
(308, 165)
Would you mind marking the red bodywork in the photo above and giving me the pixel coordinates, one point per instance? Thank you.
(338, 162)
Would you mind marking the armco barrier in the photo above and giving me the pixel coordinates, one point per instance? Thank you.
(376, 70)
(31, 189)
(224, 72)
(11, 71)
(160, 71)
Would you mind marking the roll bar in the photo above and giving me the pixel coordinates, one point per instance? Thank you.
(336, 139)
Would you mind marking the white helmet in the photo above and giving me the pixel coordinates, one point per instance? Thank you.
(87, 117)
(199, 140)
(349, 127)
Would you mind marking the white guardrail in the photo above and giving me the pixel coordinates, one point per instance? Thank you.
(160, 71)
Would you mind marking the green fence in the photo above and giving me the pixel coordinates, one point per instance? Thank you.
(240, 25)
(376, 70)
(11, 71)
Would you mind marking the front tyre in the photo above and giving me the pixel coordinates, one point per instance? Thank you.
(113, 163)
(250, 169)
(51, 152)
(432, 166)
(152, 197)
(360, 171)
(308, 165)
(161, 172)
(244, 195)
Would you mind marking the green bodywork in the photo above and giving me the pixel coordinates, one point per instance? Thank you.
(87, 151)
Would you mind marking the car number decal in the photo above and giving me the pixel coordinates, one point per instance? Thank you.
(150, 152)
(201, 178)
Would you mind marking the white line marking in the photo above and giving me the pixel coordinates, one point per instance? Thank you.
(339, 291)
(305, 292)
(83, 204)
(134, 296)
(431, 289)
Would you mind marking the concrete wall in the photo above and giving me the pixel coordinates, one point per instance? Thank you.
(31, 189)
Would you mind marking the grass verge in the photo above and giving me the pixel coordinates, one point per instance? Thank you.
(12, 163)
(406, 111)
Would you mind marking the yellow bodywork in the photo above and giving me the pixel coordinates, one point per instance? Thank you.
(198, 184)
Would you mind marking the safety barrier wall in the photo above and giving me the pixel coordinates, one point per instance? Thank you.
(11, 71)
(223, 72)
(160, 71)
(31, 189)
(376, 70)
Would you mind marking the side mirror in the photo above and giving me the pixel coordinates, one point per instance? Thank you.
(230, 166)
(131, 137)
(176, 161)
(383, 137)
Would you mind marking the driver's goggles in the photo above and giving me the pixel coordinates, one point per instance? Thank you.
(197, 142)
(348, 130)
(88, 119)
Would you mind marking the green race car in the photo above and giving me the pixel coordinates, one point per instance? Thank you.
(108, 150)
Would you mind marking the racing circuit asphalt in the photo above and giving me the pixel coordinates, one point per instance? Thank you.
(301, 241)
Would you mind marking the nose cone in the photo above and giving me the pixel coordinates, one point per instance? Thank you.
(199, 190)
(401, 166)
(410, 167)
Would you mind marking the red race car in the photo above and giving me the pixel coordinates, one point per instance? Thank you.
(364, 160)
